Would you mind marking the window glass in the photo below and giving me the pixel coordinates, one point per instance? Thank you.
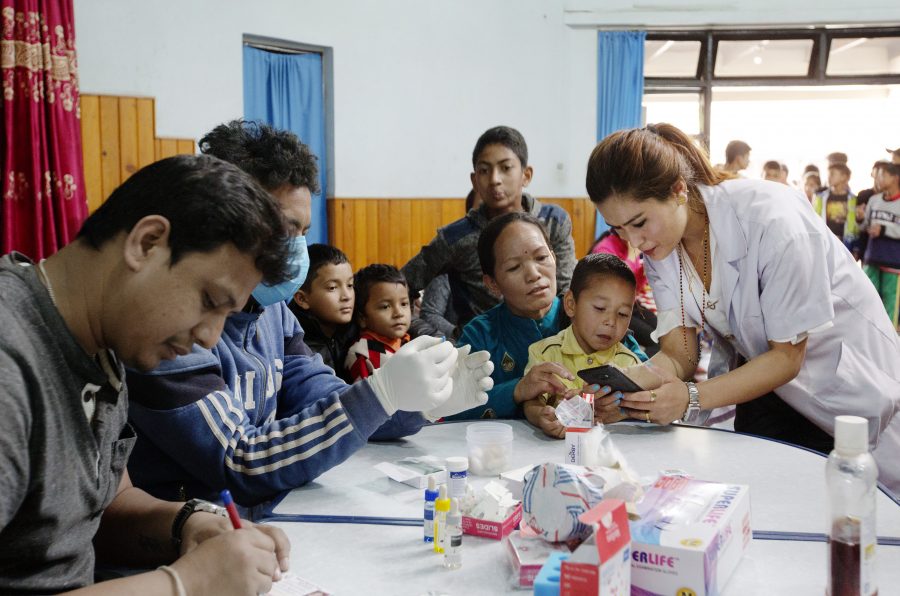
(670, 58)
(763, 58)
(680, 109)
(863, 56)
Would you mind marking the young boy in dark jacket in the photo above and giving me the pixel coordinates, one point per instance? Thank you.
(324, 306)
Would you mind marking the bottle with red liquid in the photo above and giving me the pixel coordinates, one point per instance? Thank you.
(851, 480)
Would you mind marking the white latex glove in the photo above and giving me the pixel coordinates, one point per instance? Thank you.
(417, 377)
(471, 382)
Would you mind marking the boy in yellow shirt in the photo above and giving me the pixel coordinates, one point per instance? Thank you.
(599, 304)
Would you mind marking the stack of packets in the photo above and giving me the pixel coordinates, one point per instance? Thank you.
(414, 471)
(527, 552)
(491, 513)
(690, 537)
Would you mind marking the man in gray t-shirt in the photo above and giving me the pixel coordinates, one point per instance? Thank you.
(157, 268)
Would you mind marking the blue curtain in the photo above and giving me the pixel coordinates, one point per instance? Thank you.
(286, 91)
(620, 85)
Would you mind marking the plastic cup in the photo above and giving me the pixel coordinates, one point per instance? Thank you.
(490, 447)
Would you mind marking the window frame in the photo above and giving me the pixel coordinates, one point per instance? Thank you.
(705, 79)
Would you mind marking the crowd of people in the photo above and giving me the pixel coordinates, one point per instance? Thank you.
(870, 232)
(190, 341)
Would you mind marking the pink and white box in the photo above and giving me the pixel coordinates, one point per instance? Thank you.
(600, 566)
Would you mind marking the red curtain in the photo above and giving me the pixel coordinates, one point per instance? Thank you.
(43, 196)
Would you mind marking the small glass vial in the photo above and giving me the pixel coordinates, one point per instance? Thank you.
(453, 541)
(431, 494)
(441, 508)
(458, 476)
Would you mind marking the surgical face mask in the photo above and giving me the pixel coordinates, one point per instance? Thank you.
(267, 295)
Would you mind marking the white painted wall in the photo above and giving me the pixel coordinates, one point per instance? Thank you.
(416, 81)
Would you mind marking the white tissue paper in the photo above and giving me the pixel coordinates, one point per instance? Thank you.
(493, 503)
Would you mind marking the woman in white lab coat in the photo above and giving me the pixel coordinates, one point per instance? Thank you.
(800, 335)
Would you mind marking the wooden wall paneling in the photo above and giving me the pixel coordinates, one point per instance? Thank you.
(394, 247)
(185, 146)
(373, 229)
(332, 211)
(417, 210)
(146, 129)
(90, 143)
(128, 137)
(361, 244)
(109, 144)
(166, 148)
(385, 233)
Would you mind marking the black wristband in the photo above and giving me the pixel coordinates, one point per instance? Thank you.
(191, 507)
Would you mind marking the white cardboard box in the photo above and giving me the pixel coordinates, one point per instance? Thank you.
(690, 538)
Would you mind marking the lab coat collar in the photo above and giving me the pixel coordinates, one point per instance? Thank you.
(731, 243)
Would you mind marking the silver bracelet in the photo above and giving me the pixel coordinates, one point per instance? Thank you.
(176, 579)
(693, 407)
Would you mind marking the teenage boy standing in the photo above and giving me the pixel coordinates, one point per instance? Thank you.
(501, 174)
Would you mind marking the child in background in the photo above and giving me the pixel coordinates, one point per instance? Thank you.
(383, 314)
(882, 257)
(599, 304)
(837, 205)
(324, 305)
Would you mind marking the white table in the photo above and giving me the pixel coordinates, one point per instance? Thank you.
(786, 483)
(368, 559)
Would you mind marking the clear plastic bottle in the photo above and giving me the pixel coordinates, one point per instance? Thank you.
(850, 478)
(453, 541)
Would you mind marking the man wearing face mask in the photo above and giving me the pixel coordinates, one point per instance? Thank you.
(261, 414)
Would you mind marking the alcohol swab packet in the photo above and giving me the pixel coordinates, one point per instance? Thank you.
(572, 411)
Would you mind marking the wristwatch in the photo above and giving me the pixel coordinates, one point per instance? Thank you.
(693, 407)
(190, 508)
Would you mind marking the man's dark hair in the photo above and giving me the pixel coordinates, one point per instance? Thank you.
(840, 167)
(784, 168)
(492, 231)
(510, 138)
(772, 165)
(735, 149)
(598, 264)
(368, 276)
(274, 157)
(890, 168)
(208, 202)
(319, 256)
(836, 157)
(811, 168)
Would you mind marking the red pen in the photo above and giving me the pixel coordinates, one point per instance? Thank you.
(232, 510)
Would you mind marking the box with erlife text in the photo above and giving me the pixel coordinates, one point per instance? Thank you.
(690, 537)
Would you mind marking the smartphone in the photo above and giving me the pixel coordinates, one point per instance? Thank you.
(611, 376)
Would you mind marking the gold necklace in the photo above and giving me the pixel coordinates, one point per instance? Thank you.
(702, 291)
(46, 281)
